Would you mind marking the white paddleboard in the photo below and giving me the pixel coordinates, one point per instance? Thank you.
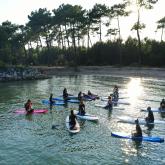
(117, 102)
(77, 126)
(86, 116)
(131, 120)
(153, 110)
(104, 105)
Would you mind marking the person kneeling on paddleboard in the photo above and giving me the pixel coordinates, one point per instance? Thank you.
(65, 94)
(138, 132)
(80, 96)
(162, 104)
(150, 117)
(28, 106)
(81, 108)
(109, 103)
(72, 120)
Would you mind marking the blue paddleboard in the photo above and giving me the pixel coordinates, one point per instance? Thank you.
(70, 100)
(46, 102)
(143, 138)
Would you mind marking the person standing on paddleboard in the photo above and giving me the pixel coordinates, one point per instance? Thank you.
(115, 93)
(28, 106)
(51, 101)
(138, 132)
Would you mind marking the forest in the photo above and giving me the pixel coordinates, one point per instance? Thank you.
(63, 37)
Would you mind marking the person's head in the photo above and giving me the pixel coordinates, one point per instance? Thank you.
(51, 94)
(71, 112)
(148, 108)
(163, 100)
(109, 97)
(136, 121)
(29, 101)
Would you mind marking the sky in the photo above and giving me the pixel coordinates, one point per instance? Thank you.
(17, 11)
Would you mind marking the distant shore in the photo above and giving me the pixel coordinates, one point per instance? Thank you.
(104, 70)
(44, 72)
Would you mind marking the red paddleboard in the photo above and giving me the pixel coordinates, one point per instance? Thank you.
(23, 111)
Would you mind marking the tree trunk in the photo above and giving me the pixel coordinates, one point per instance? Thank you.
(100, 31)
(139, 41)
(162, 34)
(120, 52)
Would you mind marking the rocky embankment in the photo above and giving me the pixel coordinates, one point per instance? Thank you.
(105, 70)
(14, 73)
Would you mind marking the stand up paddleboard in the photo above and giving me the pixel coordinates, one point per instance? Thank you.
(117, 102)
(143, 138)
(70, 100)
(77, 126)
(23, 111)
(153, 110)
(86, 116)
(47, 102)
(131, 120)
(104, 106)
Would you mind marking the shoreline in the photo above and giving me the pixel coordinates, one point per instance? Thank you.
(104, 70)
(45, 72)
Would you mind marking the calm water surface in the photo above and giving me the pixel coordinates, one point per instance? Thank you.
(30, 140)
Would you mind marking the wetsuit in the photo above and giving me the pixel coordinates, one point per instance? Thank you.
(65, 94)
(51, 100)
(72, 121)
(138, 132)
(150, 117)
(162, 104)
(82, 109)
(80, 96)
(109, 105)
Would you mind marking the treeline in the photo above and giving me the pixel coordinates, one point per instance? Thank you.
(64, 37)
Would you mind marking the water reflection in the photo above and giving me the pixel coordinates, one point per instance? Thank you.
(29, 117)
(134, 89)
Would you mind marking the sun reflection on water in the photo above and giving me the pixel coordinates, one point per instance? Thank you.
(134, 89)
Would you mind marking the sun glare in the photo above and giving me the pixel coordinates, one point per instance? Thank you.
(134, 89)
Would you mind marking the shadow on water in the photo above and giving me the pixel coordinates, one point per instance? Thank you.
(150, 126)
(137, 144)
(29, 117)
(109, 113)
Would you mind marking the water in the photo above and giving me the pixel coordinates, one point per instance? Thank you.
(30, 139)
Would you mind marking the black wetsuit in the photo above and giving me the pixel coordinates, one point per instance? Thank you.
(72, 121)
(51, 100)
(80, 96)
(150, 117)
(138, 131)
(82, 109)
(65, 95)
(162, 104)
